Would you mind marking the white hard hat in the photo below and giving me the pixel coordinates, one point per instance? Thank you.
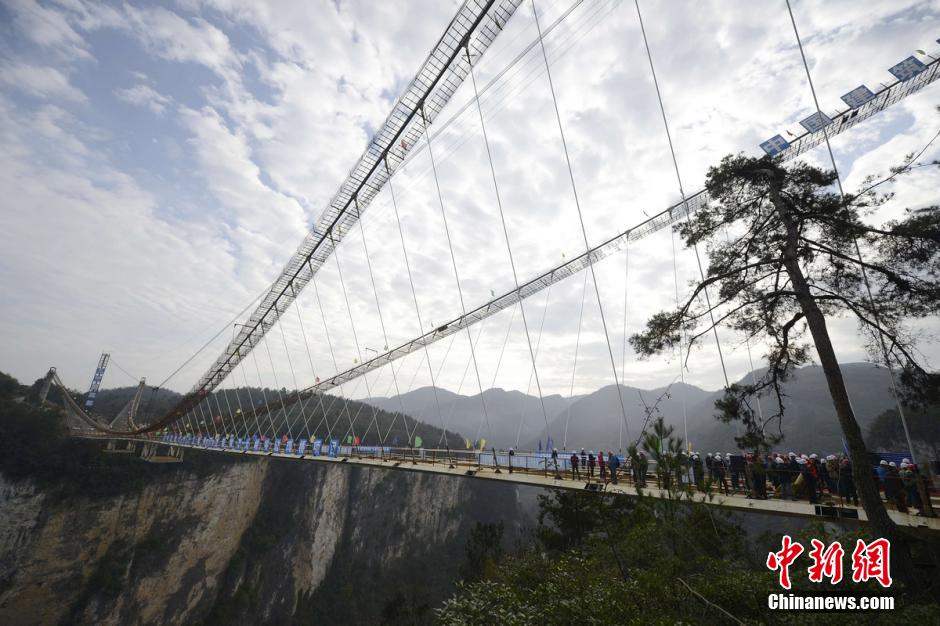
(893, 464)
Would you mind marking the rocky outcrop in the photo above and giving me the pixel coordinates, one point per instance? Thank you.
(151, 557)
(274, 541)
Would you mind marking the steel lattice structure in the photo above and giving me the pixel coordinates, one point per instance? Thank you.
(473, 29)
(884, 98)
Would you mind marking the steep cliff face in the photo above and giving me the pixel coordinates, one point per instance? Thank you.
(257, 542)
(150, 557)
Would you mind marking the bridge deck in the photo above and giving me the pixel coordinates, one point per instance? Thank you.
(830, 510)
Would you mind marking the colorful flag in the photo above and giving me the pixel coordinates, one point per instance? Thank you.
(356, 440)
(418, 441)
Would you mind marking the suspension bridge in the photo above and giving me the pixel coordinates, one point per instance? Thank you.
(220, 415)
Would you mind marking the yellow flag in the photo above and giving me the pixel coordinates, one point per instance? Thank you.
(482, 444)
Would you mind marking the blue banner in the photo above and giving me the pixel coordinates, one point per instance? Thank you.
(317, 447)
(334, 448)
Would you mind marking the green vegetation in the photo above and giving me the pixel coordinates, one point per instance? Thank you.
(603, 559)
(785, 255)
(610, 560)
(35, 444)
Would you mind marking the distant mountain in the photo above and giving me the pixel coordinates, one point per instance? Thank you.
(512, 414)
(809, 423)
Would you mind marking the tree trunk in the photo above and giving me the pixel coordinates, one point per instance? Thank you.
(881, 524)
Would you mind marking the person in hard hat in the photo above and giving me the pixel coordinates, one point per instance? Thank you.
(555, 461)
(602, 466)
(908, 483)
(591, 463)
(882, 472)
(575, 473)
(642, 468)
(698, 472)
(893, 488)
(512, 453)
(847, 489)
(613, 463)
(718, 466)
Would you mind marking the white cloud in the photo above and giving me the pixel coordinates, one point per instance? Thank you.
(145, 96)
(262, 138)
(40, 81)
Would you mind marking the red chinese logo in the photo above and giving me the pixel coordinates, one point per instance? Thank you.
(872, 561)
(869, 561)
(826, 563)
(783, 559)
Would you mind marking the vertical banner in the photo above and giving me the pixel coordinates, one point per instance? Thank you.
(317, 447)
(334, 448)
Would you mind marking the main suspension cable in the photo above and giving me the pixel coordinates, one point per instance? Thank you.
(352, 325)
(574, 367)
(512, 263)
(329, 344)
(538, 344)
(577, 203)
(685, 206)
(453, 259)
(414, 293)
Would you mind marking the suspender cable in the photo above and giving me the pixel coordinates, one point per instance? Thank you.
(264, 396)
(858, 250)
(453, 260)
(512, 262)
(231, 413)
(577, 204)
(574, 368)
(219, 408)
(352, 325)
(293, 375)
(414, 293)
(463, 377)
(251, 401)
(378, 308)
(329, 343)
(313, 370)
(685, 206)
(682, 338)
(538, 344)
(277, 385)
(623, 348)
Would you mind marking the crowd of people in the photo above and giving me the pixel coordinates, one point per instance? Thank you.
(789, 476)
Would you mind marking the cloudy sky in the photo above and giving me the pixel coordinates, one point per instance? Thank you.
(160, 163)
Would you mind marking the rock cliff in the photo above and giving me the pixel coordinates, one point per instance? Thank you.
(274, 541)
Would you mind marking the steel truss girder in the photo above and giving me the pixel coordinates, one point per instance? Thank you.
(884, 98)
(474, 28)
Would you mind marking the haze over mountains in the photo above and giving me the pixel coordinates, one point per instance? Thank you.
(593, 421)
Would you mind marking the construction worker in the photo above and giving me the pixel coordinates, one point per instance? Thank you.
(575, 474)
